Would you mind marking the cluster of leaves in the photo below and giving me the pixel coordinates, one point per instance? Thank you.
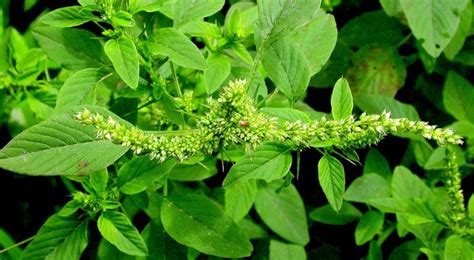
(153, 64)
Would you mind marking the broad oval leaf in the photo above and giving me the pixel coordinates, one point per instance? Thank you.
(458, 96)
(458, 248)
(283, 212)
(283, 251)
(317, 39)
(332, 180)
(239, 199)
(268, 162)
(341, 100)
(77, 87)
(216, 73)
(74, 49)
(60, 146)
(433, 22)
(139, 173)
(288, 68)
(189, 10)
(277, 17)
(326, 214)
(369, 225)
(180, 50)
(160, 245)
(124, 56)
(67, 17)
(368, 187)
(116, 228)
(59, 238)
(197, 222)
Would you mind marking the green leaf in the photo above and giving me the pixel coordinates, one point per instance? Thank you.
(122, 19)
(283, 251)
(189, 10)
(433, 22)
(367, 188)
(276, 18)
(74, 49)
(201, 29)
(406, 185)
(391, 7)
(470, 207)
(409, 250)
(376, 104)
(317, 39)
(116, 228)
(326, 214)
(458, 94)
(67, 17)
(194, 172)
(123, 54)
(332, 180)
(171, 109)
(286, 114)
(60, 146)
(58, 238)
(239, 199)
(372, 28)
(375, 162)
(253, 230)
(197, 222)
(283, 212)
(377, 70)
(268, 162)
(369, 225)
(99, 180)
(288, 68)
(77, 87)
(160, 245)
(6, 241)
(457, 42)
(341, 100)
(150, 6)
(180, 50)
(139, 173)
(216, 73)
(458, 248)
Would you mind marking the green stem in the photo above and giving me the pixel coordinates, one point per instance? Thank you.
(17, 244)
(175, 80)
(385, 235)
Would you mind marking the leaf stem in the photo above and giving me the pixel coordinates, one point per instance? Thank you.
(175, 80)
(17, 244)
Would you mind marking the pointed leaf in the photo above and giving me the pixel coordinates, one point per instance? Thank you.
(367, 188)
(139, 173)
(216, 73)
(341, 100)
(458, 248)
(458, 95)
(433, 22)
(74, 49)
(116, 228)
(181, 50)
(58, 238)
(369, 225)
(189, 10)
(67, 17)
(327, 215)
(268, 162)
(123, 54)
(332, 180)
(197, 222)
(77, 87)
(288, 68)
(239, 199)
(283, 212)
(60, 146)
(283, 251)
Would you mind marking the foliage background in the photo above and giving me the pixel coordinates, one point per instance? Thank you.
(26, 202)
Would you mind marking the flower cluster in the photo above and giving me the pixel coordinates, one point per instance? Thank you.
(456, 209)
(233, 119)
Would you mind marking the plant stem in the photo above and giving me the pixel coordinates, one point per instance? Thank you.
(176, 82)
(17, 244)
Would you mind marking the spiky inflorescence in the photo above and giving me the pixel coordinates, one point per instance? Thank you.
(234, 119)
